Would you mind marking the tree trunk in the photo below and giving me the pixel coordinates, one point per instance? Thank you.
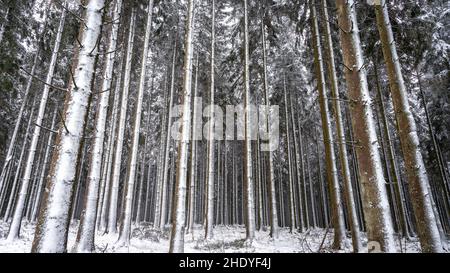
(337, 213)
(20, 205)
(211, 147)
(52, 228)
(376, 206)
(86, 230)
(114, 199)
(300, 171)
(248, 180)
(391, 159)
(161, 212)
(193, 164)
(49, 145)
(345, 169)
(179, 208)
(290, 179)
(105, 202)
(428, 232)
(125, 228)
(162, 156)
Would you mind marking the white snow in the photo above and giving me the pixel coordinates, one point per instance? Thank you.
(227, 239)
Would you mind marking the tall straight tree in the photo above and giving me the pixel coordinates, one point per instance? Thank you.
(43, 171)
(162, 153)
(342, 141)
(428, 232)
(380, 231)
(52, 228)
(271, 179)
(179, 207)
(290, 167)
(398, 186)
(86, 231)
(337, 212)
(114, 199)
(20, 204)
(125, 228)
(211, 147)
(248, 170)
(197, 127)
(160, 212)
(108, 164)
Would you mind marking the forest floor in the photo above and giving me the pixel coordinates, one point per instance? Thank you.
(226, 239)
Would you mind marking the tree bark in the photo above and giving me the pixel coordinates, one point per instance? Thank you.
(345, 169)
(49, 145)
(376, 206)
(193, 164)
(179, 208)
(428, 232)
(211, 146)
(52, 228)
(337, 213)
(273, 217)
(86, 230)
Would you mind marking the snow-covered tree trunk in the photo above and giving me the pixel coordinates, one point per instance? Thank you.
(428, 232)
(193, 164)
(337, 212)
(52, 228)
(43, 171)
(86, 231)
(161, 211)
(289, 163)
(342, 142)
(355, 167)
(125, 228)
(303, 219)
(160, 164)
(248, 179)
(393, 175)
(107, 171)
(179, 207)
(20, 205)
(147, 202)
(376, 206)
(114, 198)
(211, 147)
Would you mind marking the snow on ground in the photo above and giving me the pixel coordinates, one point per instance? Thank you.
(227, 239)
